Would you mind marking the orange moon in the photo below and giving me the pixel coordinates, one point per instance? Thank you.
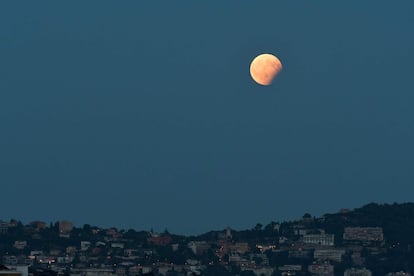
(264, 68)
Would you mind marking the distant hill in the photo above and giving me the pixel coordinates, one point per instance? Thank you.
(397, 220)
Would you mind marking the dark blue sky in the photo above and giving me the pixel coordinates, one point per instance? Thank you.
(143, 114)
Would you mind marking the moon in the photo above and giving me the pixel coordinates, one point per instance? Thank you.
(264, 68)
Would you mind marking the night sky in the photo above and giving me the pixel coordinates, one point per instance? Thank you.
(142, 114)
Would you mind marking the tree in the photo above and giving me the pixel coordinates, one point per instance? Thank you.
(306, 216)
(258, 227)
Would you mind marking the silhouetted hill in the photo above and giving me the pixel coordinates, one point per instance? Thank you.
(397, 220)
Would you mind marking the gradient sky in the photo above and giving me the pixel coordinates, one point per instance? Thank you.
(142, 114)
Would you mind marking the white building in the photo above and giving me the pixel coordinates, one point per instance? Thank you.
(320, 239)
(117, 245)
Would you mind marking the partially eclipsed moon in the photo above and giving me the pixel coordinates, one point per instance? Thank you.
(264, 68)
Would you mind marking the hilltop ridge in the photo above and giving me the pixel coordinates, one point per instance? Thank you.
(375, 238)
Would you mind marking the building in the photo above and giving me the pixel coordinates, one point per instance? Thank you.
(238, 247)
(84, 246)
(163, 239)
(363, 234)
(134, 271)
(22, 269)
(71, 250)
(264, 270)
(199, 247)
(163, 269)
(266, 247)
(320, 239)
(10, 271)
(93, 271)
(357, 272)
(20, 245)
(65, 227)
(290, 268)
(321, 269)
(10, 260)
(329, 254)
(229, 235)
(4, 227)
(118, 245)
(300, 254)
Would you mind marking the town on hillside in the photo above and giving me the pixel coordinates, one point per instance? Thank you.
(372, 240)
